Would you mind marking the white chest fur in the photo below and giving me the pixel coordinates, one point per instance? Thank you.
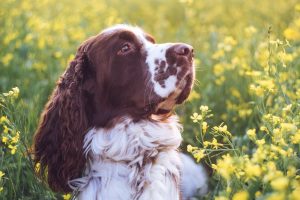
(132, 160)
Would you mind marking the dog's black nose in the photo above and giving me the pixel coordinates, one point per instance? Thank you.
(182, 49)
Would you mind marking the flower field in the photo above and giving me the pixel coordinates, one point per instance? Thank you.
(242, 120)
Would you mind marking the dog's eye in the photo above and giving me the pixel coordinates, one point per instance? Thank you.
(124, 49)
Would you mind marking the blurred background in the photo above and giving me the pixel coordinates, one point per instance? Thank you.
(247, 64)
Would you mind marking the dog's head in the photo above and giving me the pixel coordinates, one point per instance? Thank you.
(119, 72)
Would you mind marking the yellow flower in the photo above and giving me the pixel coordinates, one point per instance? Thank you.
(291, 34)
(288, 127)
(254, 73)
(265, 129)
(6, 59)
(230, 41)
(219, 69)
(276, 119)
(221, 198)
(258, 90)
(260, 154)
(220, 80)
(186, 1)
(260, 142)
(289, 152)
(295, 139)
(215, 143)
(297, 7)
(204, 108)
(198, 155)
(206, 143)
(13, 149)
(16, 138)
(6, 129)
(1, 174)
(277, 132)
(196, 117)
(250, 30)
(243, 113)
(9, 38)
(251, 134)
(252, 170)
(235, 93)
(12, 93)
(267, 84)
(239, 174)
(4, 119)
(228, 189)
(225, 166)
(287, 108)
(222, 129)
(280, 183)
(204, 127)
(4, 139)
(214, 166)
(218, 54)
(57, 54)
(16, 91)
(285, 58)
(242, 195)
(276, 196)
(37, 167)
(257, 194)
(291, 171)
(272, 172)
(66, 196)
(7, 94)
(190, 148)
(295, 194)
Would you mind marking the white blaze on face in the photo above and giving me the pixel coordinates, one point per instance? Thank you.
(156, 53)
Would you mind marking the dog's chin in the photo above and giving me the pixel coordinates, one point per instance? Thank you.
(180, 94)
(186, 90)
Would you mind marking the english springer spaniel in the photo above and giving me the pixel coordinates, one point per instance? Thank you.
(108, 130)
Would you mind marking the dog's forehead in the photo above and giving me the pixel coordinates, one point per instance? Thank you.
(138, 32)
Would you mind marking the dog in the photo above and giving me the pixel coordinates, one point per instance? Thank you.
(108, 129)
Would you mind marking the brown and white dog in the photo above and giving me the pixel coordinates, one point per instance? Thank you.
(108, 128)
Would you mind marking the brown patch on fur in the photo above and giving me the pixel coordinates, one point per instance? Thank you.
(162, 64)
(59, 138)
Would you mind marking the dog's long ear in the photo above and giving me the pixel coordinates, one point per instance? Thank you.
(58, 142)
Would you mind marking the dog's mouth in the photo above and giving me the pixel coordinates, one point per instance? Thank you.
(180, 94)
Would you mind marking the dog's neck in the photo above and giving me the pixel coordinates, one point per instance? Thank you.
(140, 157)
